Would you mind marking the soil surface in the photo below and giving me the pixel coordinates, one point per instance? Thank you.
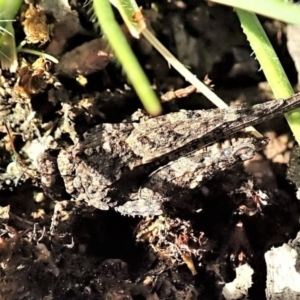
(65, 249)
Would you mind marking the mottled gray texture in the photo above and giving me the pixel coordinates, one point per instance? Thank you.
(112, 163)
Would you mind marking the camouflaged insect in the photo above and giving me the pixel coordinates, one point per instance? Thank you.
(112, 163)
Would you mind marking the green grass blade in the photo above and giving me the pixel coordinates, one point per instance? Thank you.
(8, 10)
(276, 9)
(126, 57)
(270, 64)
(8, 52)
